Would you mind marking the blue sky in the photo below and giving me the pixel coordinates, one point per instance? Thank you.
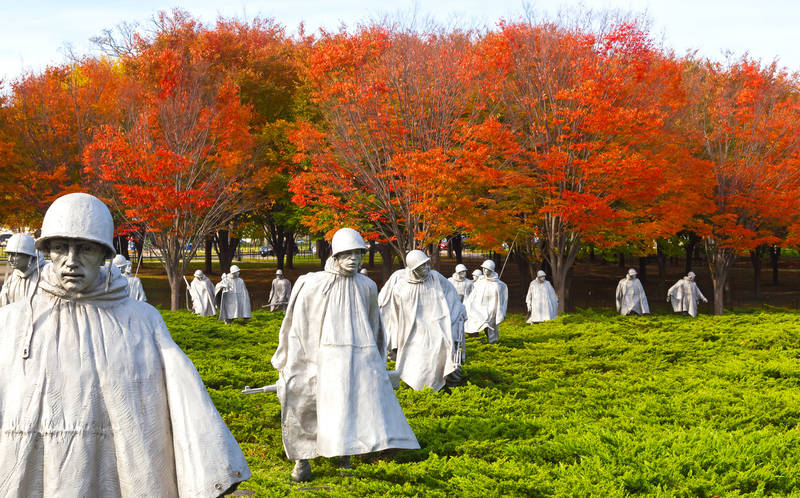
(34, 33)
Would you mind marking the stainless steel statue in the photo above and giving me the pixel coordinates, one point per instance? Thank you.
(233, 298)
(135, 288)
(631, 299)
(202, 292)
(685, 295)
(486, 304)
(26, 264)
(335, 393)
(460, 281)
(279, 292)
(97, 400)
(541, 300)
(424, 320)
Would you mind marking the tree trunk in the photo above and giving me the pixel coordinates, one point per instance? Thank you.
(458, 248)
(291, 245)
(450, 247)
(774, 255)
(372, 249)
(323, 251)
(436, 256)
(661, 259)
(755, 260)
(175, 282)
(209, 247)
(121, 246)
(387, 255)
(226, 249)
(621, 259)
(720, 261)
(689, 247)
(643, 269)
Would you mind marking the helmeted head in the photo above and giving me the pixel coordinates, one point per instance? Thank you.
(235, 271)
(20, 250)
(364, 271)
(541, 276)
(199, 274)
(488, 267)
(419, 263)
(279, 274)
(691, 275)
(120, 262)
(476, 274)
(461, 270)
(632, 274)
(348, 248)
(77, 233)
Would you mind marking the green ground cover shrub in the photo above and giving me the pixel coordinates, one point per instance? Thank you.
(589, 404)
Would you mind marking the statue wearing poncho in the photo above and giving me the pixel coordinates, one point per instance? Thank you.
(460, 281)
(97, 400)
(486, 305)
(20, 284)
(541, 300)
(685, 295)
(631, 299)
(335, 393)
(202, 292)
(279, 292)
(234, 300)
(424, 319)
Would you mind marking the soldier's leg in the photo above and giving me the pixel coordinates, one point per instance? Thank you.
(301, 471)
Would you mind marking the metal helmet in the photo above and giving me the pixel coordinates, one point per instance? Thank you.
(346, 239)
(540, 273)
(477, 273)
(235, 269)
(119, 261)
(488, 264)
(632, 272)
(460, 268)
(21, 243)
(415, 259)
(198, 273)
(691, 274)
(78, 216)
(279, 272)
(364, 271)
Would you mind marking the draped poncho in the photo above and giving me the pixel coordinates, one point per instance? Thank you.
(235, 300)
(335, 393)
(541, 301)
(106, 404)
(135, 289)
(279, 294)
(202, 292)
(463, 285)
(684, 296)
(20, 285)
(424, 319)
(486, 304)
(631, 297)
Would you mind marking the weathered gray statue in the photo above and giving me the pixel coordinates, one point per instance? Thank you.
(541, 300)
(486, 304)
(135, 289)
(27, 265)
(460, 281)
(476, 275)
(335, 393)
(202, 292)
(97, 400)
(234, 300)
(280, 292)
(685, 295)
(364, 272)
(424, 320)
(631, 299)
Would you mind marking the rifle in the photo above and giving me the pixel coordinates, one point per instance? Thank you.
(187, 292)
(272, 388)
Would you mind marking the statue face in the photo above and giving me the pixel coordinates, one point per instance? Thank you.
(486, 272)
(349, 261)
(76, 262)
(462, 273)
(422, 270)
(19, 261)
(235, 274)
(540, 278)
(199, 277)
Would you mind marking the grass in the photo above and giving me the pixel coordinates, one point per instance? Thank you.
(589, 404)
